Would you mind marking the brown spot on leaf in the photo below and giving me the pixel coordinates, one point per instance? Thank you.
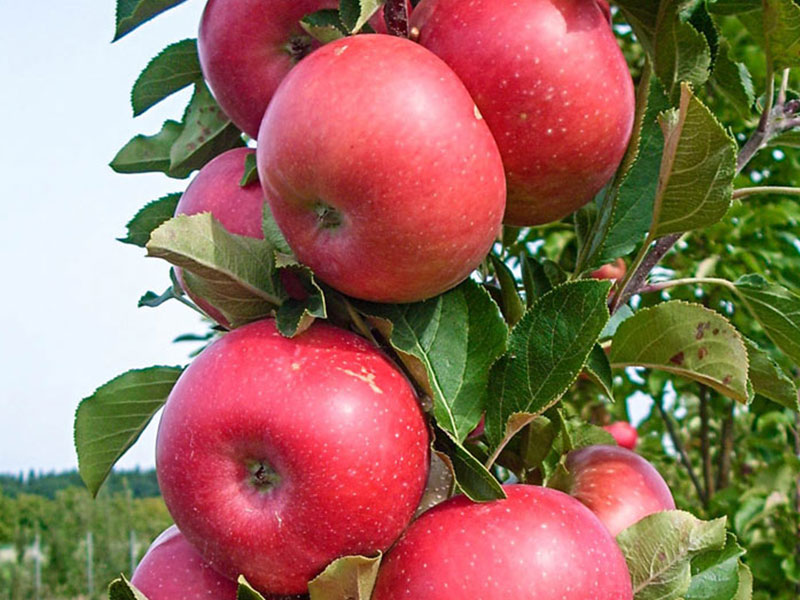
(677, 359)
(701, 330)
(716, 331)
(727, 379)
(702, 352)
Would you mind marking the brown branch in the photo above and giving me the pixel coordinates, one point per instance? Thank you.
(726, 451)
(673, 435)
(705, 442)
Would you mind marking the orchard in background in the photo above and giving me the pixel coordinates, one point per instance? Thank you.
(668, 300)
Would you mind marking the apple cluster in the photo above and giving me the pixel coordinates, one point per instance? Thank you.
(389, 165)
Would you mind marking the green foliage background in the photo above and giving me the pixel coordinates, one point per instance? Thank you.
(126, 516)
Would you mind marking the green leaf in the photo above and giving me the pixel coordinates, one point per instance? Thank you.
(627, 210)
(207, 132)
(572, 434)
(642, 15)
(781, 19)
(715, 573)
(294, 316)
(245, 591)
(733, 7)
(122, 589)
(351, 577)
(599, 369)
(696, 178)
(355, 13)
(688, 340)
(250, 174)
(745, 591)
(659, 548)
(733, 80)
(547, 350)
(512, 306)
(148, 154)
(272, 232)
(324, 25)
(776, 309)
(448, 344)
(534, 279)
(235, 274)
(150, 218)
(132, 13)
(681, 54)
(472, 478)
(769, 380)
(173, 69)
(152, 300)
(110, 421)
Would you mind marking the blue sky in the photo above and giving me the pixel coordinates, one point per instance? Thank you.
(69, 292)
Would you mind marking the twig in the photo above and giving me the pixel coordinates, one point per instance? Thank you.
(763, 132)
(673, 435)
(725, 451)
(651, 259)
(705, 443)
(766, 189)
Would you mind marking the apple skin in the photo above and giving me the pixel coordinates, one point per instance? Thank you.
(617, 485)
(623, 433)
(554, 87)
(379, 170)
(613, 271)
(275, 456)
(247, 47)
(378, 20)
(172, 569)
(216, 189)
(537, 543)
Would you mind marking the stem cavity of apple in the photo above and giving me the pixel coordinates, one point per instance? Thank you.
(262, 476)
(328, 216)
(298, 47)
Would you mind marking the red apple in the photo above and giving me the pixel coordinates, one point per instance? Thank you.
(378, 20)
(623, 433)
(380, 171)
(538, 543)
(275, 456)
(614, 271)
(553, 85)
(247, 47)
(216, 189)
(173, 570)
(617, 485)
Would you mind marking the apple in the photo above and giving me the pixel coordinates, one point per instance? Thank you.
(623, 433)
(216, 189)
(617, 485)
(172, 569)
(275, 456)
(247, 47)
(613, 271)
(537, 543)
(553, 86)
(380, 171)
(378, 20)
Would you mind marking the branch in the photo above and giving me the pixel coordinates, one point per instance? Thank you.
(673, 435)
(635, 283)
(766, 189)
(705, 444)
(725, 452)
